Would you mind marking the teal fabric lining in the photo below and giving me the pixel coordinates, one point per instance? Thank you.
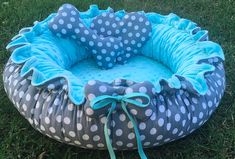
(132, 70)
(172, 44)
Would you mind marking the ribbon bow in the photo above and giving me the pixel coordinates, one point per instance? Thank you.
(105, 100)
(122, 87)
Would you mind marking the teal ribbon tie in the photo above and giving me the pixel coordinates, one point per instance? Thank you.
(107, 100)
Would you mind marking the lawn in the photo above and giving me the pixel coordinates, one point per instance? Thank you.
(215, 139)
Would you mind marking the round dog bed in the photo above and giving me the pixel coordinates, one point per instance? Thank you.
(162, 91)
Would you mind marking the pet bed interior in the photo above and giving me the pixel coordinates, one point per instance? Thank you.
(138, 69)
(171, 51)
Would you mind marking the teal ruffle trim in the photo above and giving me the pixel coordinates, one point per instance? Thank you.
(178, 43)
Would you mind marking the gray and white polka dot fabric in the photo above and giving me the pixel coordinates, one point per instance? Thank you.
(170, 114)
(51, 111)
(133, 29)
(110, 38)
(67, 23)
(96, 88)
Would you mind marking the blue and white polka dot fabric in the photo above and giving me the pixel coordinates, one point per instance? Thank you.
(110, 38)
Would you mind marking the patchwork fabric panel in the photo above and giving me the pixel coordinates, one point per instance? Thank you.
(110, 38)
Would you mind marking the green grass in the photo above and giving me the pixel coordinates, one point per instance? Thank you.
(215, 139)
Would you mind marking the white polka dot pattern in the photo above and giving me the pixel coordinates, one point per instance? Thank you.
(167, 124)
(165, 121)
(133, 29)
(96, 88)
(175, 113)
(109, 38)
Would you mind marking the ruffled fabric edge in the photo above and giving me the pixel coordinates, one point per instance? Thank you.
(45, 64)
(21, 45)
(195, 48)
